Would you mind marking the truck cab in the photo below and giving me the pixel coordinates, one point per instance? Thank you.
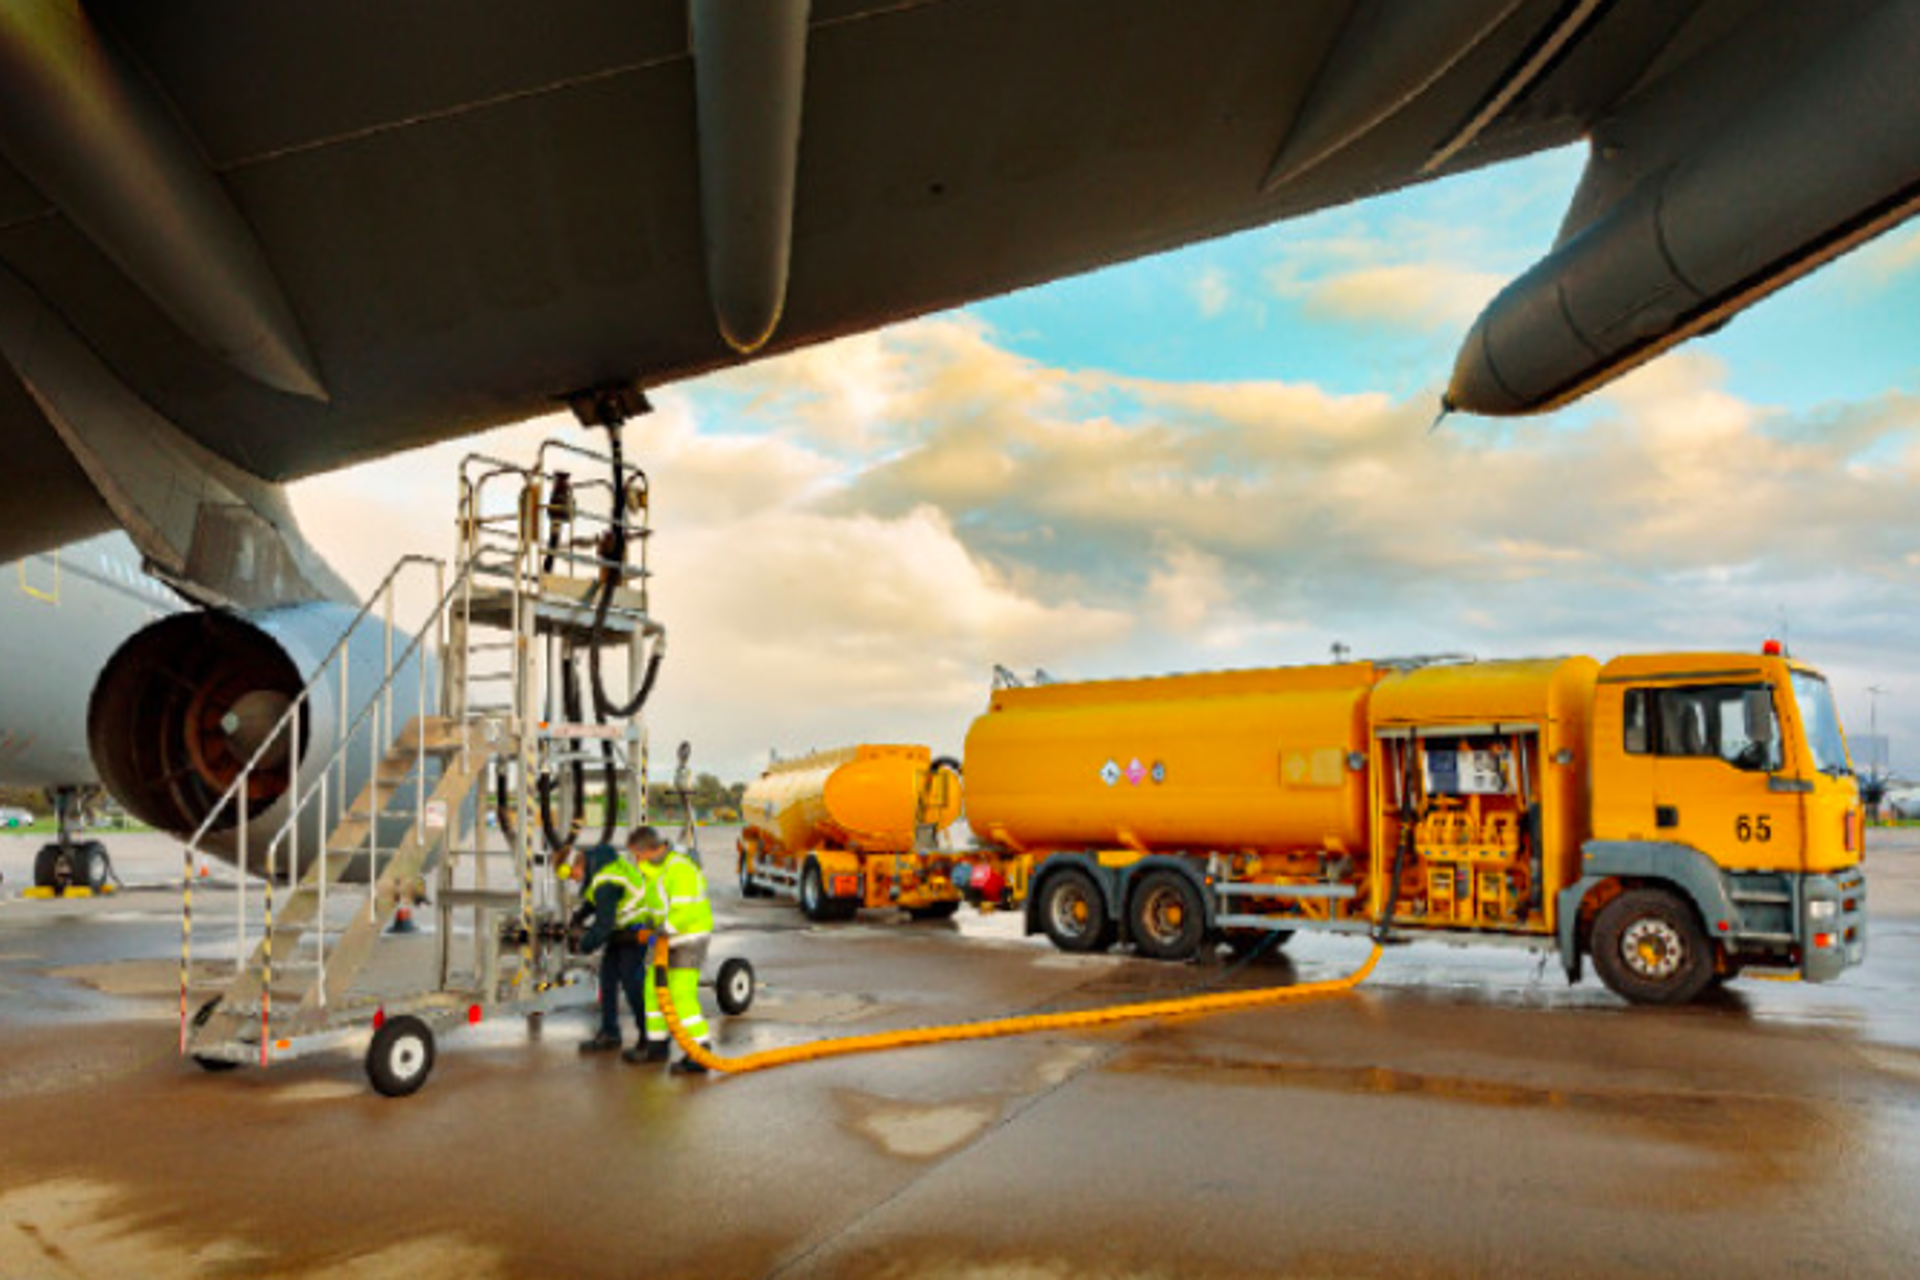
(1727, 827)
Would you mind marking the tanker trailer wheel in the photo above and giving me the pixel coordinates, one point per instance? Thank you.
(733, 986)
(1649, 949)
(1167, 916)
(1073, 912)
(815, 903)
(400, 1057)
(748, 889)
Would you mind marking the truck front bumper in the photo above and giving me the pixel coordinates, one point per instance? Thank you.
(1833, 924)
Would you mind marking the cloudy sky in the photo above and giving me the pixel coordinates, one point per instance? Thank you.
(1221, 458)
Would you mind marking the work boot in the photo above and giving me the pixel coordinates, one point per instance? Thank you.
(688, 1067)
(647, 1051)
(602, 1042)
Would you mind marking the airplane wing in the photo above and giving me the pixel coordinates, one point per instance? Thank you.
(309, 235)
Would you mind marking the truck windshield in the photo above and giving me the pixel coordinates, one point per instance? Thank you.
(1822, 726)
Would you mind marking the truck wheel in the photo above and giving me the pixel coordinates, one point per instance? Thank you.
(815, 904)
(934, 911)
(1649, 949)
(733, 986)
(1073, 912)
(748, 889)
(1166, 915)
(400, 1057)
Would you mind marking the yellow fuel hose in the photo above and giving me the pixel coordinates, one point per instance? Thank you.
(814, 1051)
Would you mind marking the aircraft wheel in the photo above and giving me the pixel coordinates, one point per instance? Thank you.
(90, 865)
(50, 869)
(400, 1057)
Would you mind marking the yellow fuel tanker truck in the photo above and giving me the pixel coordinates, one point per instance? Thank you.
(1675, 818)
(859, 827)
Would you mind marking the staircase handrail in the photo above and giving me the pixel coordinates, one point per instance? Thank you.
(300, 699)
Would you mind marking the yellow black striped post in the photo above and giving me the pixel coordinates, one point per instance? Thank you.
(266, 969)
(186, 936)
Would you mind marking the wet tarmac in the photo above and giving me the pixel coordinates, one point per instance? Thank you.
(1463, 1114)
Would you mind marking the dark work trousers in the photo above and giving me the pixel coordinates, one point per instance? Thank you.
(623, 967)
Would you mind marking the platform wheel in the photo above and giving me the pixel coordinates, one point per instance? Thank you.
(816, 904)
(1649, 948)
(1073, 912)
(733, 986)
(201, 1017)
(1166, 915)
(934, 911)
(401, 1057)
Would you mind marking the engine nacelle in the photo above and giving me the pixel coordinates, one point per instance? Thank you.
(184, 704)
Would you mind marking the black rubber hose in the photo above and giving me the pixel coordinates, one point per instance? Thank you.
(609, 579)
(570, 697)
(557, 506)
(501, 809)
(1409, 815)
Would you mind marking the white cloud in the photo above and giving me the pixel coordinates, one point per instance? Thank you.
(1212, 292)
(1420, 295)
(1093, 524)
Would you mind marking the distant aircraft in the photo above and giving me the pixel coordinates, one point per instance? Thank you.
(1902, 801)
(243, 243)
(62, 614)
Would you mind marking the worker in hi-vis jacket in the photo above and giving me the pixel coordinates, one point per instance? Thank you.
(676, 905)
(614, 897)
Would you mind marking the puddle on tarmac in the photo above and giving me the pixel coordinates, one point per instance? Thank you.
(918, 1130)
(69, 1226)
(1060, 1064)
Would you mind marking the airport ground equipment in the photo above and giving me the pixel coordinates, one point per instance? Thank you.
(1675, 818)
(475, 759)
(858, 827)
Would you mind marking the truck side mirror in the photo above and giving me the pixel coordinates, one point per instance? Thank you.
(1760, 729)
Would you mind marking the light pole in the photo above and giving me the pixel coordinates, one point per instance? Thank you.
(1877, 779)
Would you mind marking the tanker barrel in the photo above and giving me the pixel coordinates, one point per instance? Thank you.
(870, 797)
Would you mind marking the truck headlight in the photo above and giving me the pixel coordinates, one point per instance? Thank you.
(1822, 910)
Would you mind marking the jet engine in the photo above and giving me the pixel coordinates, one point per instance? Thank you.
(186, 703)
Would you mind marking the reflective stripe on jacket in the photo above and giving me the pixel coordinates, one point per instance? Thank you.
(632, 884)
(677, 898)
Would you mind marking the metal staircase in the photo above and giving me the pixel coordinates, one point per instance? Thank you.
(442, 810)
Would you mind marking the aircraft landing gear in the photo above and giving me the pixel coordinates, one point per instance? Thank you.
(68, 864)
